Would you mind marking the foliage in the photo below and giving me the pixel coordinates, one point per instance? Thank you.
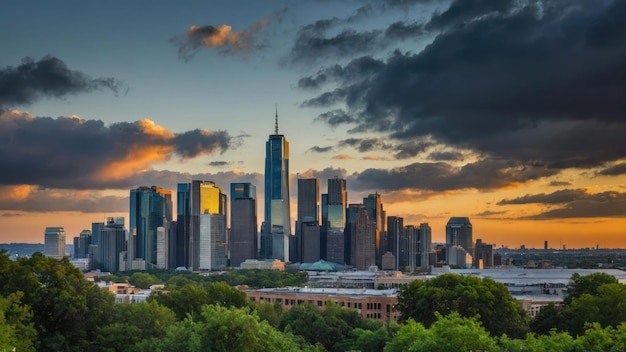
(470, 296)
(65, 307)
(225, 329)
(270, 312)
(333, 328)
(190, 298)
(581, 284)
(143, 280)
(448, 333)
(133, 324)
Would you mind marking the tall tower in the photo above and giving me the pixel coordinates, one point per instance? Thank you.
(362, 244)
(334, 220)
(243, 243)
(373, 204)
(425, 245)
(459, 236)
(395, 227)
(307, 223)
(54, 242)
(276, 228)
(150, 208)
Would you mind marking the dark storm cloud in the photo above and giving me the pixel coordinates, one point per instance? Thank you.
(558, 197)
(445, 156)
(401, 151)
(335, 118)
(614, 170)
(559, 183)
(219, 163)
(48, 77)
(318, 149)
(311, 47)
(605, 204)
(482, 175)
(69, 152)
(43, 200)
(403, 30)
(527, 81)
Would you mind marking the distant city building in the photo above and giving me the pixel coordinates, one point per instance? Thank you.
(362, 237)
(483, 258)
(373, 204)
(54, 242)
(334, 221)
(150, 208)
(276, 228)
(243, 241)
(308, 210)
(459, 233)
(269, 264)
(81, 244)
(412, 238)
(112, 246)
(425, 245)
(310, 241)
(395, 227)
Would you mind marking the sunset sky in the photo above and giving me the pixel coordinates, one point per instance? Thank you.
(509, 112)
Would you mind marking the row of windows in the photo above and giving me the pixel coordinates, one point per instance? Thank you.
(321, 303)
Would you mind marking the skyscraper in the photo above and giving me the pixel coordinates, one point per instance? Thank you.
(334, 220)
(81, 244)
(308, 220)
(459, 236)
(425, 245)
(112, 246)
(362, 240)
(276, 228)
(150, 208)
(373, 204)
(243, 242)
(54, 242)
(395, 226)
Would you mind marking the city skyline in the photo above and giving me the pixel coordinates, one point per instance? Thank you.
(507, 114)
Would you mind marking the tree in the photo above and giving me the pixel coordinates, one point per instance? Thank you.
(580, 285)
(143, 280)
(225, 329)
(470, 296)
(449, 333)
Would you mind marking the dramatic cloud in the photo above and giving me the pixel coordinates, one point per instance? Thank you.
(482, 175)
(599, 205)
(615, 170)
(219, 163)
(499, 79)
(562, 196)
(446, 156)
(69, 152)
(44, 200)
(318, 149)
(48, 77)
(490, 213)
(224, 39)
(559, 183)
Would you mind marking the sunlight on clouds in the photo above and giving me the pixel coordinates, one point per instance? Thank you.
(20, 192)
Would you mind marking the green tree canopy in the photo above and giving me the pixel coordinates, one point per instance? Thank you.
(581, 284)
(470, 296)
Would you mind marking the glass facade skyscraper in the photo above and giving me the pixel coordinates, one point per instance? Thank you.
(54, 242)
(243, 242)
(150, 208)
(334, 223)
(276, 228)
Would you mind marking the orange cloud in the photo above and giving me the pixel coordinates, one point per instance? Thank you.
(20, 192)
(342, 157)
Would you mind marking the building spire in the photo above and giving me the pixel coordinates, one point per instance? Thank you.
(276, 121)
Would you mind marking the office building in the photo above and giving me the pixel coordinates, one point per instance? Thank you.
(459, 235)
(150, 208)
(54, 242)
(425, 245)
(276, 226)
(81, 244)
(308, 210)
(362, 237)
(395, 226)
(334, 221)
(112, 246)
(373, 204)
(243, 241)
(483, 258)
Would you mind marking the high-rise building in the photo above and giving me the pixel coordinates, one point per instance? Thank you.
(373, 204)
(412, 238)
(112, 246)
(54, 242)
(208, 226)
(425, 245)
(276, 227)
(150, 208)
(182, 239)
(483, 258)
(334, 220)
(362, 238)
(459, 236)
(308, 211)
(243, 242)
(81, 244)
(395, 226)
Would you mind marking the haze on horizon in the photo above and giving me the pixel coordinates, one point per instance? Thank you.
(508, 112)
